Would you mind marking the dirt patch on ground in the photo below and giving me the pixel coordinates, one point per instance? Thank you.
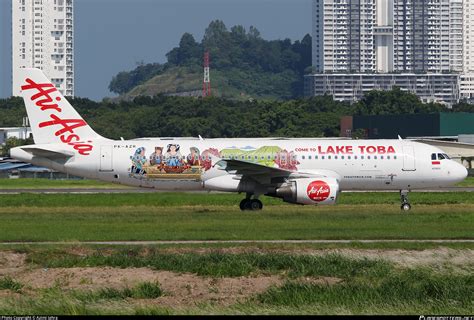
(185, 289)
(439, 258)
(11, 262)
(180, 289)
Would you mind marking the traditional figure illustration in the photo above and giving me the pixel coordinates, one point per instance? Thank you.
(138, 161)
(193, 157)
(173, 156)
(286, 160)
(156, 158)
(206, 162)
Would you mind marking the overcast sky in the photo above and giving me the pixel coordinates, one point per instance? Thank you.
(113, 35)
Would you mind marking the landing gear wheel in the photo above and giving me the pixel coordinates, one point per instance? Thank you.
(256, 204)
(251, 204)
(406, 207)
(244, 204)
(405, 203)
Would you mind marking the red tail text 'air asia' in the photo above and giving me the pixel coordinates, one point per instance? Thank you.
(45, 102)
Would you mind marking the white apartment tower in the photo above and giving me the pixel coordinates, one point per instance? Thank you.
(388, 36)
(343, 35)
(468, 36)
(42, 37)
(360, 45)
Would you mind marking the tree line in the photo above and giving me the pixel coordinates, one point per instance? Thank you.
(212, 117)
(277, 65)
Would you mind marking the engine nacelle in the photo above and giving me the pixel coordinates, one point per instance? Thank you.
(310, 191)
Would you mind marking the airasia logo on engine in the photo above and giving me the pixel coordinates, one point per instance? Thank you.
(318, 190)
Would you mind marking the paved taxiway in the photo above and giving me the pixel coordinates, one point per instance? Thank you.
(141, 243)
(147, 190)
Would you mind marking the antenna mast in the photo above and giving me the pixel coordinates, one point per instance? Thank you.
(206, 85)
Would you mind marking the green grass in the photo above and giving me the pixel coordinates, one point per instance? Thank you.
(7, 283)
(216, 264)
(409, 291)
(27, 183)
(213, 222)
(144, 290)
(175, 199)
(364, 287)
(468, 182)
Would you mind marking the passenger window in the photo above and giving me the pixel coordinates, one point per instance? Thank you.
(342, 157)
(335, 157)
(322, 157)
(362, 157)
(303, 157)
(368, 157)
(388, 157)
(375, 157)
(395, 157)
(315, 157)
(433, 156)
(381, 157)
(355, 157)
(329, 157)
(309, 157)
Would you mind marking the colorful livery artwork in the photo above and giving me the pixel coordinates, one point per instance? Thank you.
(169, 163)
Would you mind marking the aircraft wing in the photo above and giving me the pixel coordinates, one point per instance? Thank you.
(48, 154)
(250, 168)
(260, 173)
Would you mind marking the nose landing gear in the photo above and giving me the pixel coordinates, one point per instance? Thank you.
(404, 198)
(251, 204)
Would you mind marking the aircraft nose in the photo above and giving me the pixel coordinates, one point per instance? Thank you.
(460, 172)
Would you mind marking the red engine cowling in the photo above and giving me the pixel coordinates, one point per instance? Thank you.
(310, 191)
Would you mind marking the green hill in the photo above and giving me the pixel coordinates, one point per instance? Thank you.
(243, 66)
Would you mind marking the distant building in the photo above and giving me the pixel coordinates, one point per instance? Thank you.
(436, 125)
(443, 88)
(42, 37)
(14, 132)
(367, 42)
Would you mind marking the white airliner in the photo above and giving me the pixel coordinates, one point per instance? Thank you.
(300, 171)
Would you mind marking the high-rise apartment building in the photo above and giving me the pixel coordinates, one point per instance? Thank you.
(409, 37)
(42, 37)
(468, 35)
(343, 35)
(427, 35)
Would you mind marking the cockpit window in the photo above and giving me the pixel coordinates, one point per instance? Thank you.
(433, 156)
(446, 156)
(440, 156)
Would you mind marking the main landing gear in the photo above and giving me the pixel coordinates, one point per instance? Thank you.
(251, 204)
(404, 198)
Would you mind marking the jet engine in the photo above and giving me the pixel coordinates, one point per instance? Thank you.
(309, 191)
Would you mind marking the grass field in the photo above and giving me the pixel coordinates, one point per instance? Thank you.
(82, 280)
(26, 183)
(175, 216)
(253, 278)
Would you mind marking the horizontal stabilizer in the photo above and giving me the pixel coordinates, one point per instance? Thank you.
(49, 154)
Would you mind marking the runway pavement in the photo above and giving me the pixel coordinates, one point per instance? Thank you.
(147, 190)
(141, 243)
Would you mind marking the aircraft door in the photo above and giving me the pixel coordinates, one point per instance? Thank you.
(106, 163)
(409, 158)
